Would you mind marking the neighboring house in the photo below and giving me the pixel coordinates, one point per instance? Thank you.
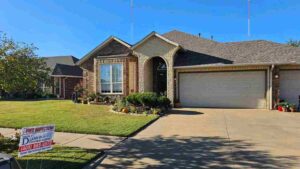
(65, 75)
(194, 71)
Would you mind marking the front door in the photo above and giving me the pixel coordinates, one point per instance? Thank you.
(159, 76)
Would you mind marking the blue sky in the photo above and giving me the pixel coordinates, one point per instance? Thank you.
(74, 27)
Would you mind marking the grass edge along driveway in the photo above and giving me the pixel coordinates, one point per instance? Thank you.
(70, 117)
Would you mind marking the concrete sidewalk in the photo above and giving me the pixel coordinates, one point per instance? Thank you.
(87, 141)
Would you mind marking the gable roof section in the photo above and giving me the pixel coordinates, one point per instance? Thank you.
(102, 45)
(63, 66)
(67, 70)
(51, 61)
(154, 34)
(247, 52)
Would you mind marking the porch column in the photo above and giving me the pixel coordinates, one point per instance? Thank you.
(275, 86)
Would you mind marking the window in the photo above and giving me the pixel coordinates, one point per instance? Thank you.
(57, 85)
(111, 78)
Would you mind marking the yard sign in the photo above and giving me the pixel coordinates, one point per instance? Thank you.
(36, 139)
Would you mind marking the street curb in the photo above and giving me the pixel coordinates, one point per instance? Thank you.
(143, 128)
(94, 162)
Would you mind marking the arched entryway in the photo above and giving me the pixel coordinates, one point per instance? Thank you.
(155, 75)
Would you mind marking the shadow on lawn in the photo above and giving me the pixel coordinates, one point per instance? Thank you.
(50, 164)
(31, 100)
(193, 152)
(59, 159)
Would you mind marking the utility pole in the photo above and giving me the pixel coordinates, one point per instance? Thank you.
(131, 21)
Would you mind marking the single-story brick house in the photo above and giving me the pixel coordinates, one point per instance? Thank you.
(65, 75)
(194, 71)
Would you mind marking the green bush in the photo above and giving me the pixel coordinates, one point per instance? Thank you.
(156, 111)
(44, 95)
(163, 101)
(50, 96)
(119, 105)
(92, 96)
(133, 109)
(133, 99)
(9, 145)
(144, 102)
(148, 99)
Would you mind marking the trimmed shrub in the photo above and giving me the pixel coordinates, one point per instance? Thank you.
(148, 99)
(145, 103)
(133, 99)
(163, 101)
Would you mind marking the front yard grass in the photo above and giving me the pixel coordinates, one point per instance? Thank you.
(70, 117)
(58, 158)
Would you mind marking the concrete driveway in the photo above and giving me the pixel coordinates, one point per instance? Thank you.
(213, 138)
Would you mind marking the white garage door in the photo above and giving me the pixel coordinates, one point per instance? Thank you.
(245, 89)
(290, 85)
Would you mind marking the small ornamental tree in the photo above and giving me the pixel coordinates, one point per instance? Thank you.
(21, 71)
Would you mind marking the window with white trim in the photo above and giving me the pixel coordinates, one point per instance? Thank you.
(111, 76)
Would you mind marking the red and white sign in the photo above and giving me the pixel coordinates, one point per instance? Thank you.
(36, 139)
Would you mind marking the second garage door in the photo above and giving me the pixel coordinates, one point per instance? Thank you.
(245, 89)
(290, 86)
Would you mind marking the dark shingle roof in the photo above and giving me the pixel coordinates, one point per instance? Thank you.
(63, 65)
(203, 51)
(67, 70)
(51, 61)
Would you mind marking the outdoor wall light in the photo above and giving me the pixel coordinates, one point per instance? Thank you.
(276, 76)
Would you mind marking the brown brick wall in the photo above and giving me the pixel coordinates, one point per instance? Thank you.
(70, 83)
(122, 60)
(88, 74)
(112, 48)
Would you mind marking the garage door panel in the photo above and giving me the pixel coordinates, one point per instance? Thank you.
(290, 85)
(223, 89)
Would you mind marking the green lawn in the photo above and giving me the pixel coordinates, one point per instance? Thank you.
(57, 158)
(70, 117)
